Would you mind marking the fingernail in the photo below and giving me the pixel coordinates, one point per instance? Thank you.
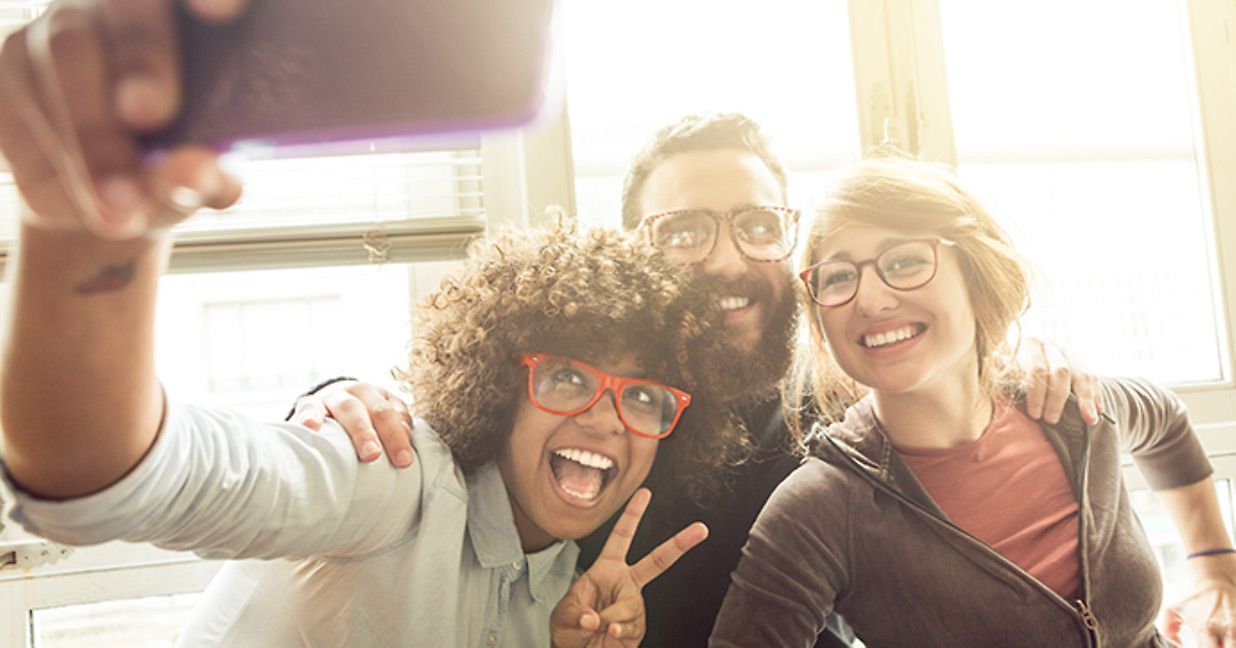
(185, 199)
(371, 449)
(403, 459)
(1092, 416)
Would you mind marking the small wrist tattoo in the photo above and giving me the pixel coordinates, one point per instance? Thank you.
(110, 279)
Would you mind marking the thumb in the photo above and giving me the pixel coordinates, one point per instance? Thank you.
(572, 612)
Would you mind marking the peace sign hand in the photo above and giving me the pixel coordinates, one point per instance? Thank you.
(614, 587)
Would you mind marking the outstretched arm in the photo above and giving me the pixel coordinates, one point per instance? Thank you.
(79, 401)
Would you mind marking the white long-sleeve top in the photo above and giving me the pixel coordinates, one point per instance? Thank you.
(323, 550)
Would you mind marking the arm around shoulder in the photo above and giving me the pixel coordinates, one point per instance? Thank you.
(1154, 427)
(226, 486)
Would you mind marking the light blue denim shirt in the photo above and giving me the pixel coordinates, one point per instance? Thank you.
(323, 550)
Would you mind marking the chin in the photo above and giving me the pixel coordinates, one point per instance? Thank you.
(744, 341)
(883, 382)
(572, 529)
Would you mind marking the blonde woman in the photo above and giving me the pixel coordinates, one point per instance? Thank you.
(936, 513)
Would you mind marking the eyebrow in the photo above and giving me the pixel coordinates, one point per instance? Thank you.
(884, 244)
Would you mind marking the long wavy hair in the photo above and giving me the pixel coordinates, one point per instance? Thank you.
(594, 295)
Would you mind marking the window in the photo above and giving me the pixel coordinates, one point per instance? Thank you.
(1100, 179)
(1097, 132)
(632, 67)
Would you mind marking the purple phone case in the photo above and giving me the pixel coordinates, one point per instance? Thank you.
(304, 77)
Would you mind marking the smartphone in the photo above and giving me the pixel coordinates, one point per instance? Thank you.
(305, 77)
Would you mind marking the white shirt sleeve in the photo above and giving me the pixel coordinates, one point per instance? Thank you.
(226, 486)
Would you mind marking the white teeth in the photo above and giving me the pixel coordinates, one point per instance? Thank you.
(734, 303)
(583, 496)
(889, 337)
(590, 459)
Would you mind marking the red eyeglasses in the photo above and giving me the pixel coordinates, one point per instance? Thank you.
(569, 387)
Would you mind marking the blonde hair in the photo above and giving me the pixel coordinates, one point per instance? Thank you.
(898, 193)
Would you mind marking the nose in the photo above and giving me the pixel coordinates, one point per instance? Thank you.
(725, 261)
(873, 296)
(602, 417)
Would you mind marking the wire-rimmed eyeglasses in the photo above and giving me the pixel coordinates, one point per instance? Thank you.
(904, 266)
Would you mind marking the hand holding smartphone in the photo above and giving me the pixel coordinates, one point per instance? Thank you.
(296, 76)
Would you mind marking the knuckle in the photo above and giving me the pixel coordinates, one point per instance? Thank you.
(346, 406)
(1061, 372)
(388, 417)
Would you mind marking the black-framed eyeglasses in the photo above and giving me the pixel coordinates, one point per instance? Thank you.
(690, 235)
(904, 266)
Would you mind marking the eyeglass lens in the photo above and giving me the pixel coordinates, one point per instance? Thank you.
(689, 236)
(904, 266)
(567, 387)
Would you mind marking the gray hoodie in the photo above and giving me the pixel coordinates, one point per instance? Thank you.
(853, 530)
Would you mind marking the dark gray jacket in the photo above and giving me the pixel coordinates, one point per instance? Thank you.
(853, 529)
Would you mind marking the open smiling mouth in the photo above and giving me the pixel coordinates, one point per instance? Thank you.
(889, 338)
(580, 473)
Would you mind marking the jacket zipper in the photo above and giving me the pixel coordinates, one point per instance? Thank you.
(1089, 625)
(1083, 503)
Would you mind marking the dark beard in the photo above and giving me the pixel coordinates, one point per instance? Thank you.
(745, 377)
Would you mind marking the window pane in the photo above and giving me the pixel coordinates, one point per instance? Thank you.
(1086, 148)
(254, 340)
(635, 66)
(152, 622)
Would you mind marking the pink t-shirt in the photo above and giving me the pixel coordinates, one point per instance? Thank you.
(1008, 489)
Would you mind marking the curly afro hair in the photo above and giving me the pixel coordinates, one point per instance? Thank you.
(594, 295)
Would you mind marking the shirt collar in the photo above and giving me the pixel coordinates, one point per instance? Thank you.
(491, 527)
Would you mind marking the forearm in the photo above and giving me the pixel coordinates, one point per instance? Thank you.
(1195, 511)
(79, 401)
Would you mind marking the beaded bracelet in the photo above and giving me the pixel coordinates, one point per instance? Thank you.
(1211, 552)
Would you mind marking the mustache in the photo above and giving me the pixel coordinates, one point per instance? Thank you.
(751, 287)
